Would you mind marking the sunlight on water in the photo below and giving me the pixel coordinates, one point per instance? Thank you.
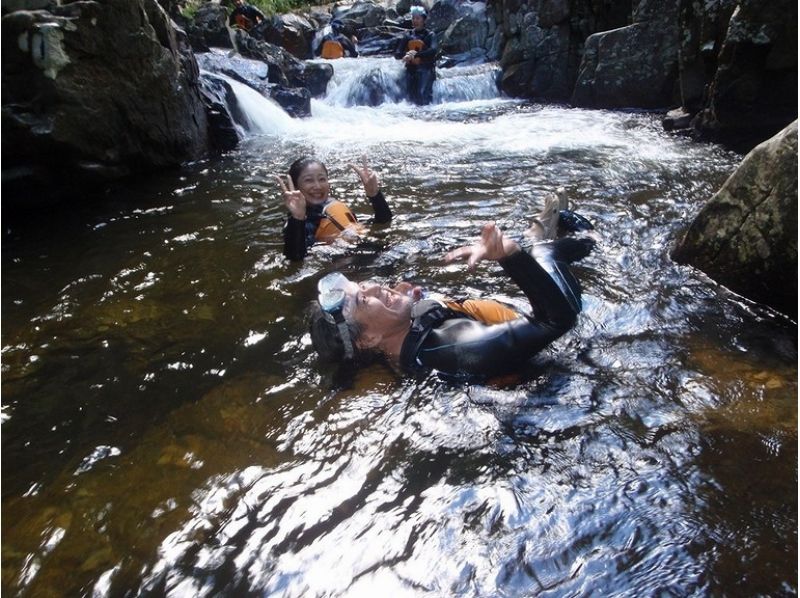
(168, 430)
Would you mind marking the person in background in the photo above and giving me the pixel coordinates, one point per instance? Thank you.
(245, 16)
(473, 339)
(335, 44)
(417, 49)
(314, 215)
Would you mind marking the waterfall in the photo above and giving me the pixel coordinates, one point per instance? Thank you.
(256, 114)
(372, 81)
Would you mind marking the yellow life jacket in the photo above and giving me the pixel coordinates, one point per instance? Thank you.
(242, 22)
(337, 217)
(331, 49)
(484, 310)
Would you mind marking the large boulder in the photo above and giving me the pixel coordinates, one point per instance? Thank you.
(291, 32)
(208, 28)
(284, 68)
(363, 13)
(633, 66)
(465, 34)
(746, 236)
(257, 74)
(95, 90)
(753, 93)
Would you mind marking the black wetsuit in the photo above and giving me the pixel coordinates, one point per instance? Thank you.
(458, 345)
(300, 235)
(419, 77)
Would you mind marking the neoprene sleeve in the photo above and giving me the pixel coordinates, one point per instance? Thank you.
(464, 347)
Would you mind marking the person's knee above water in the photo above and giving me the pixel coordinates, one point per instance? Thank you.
(245, 16)
(417, 49)
(474, 339)
(314, 215)
(335, 44)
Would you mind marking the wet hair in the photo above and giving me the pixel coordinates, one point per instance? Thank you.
(325, 336)
(336, 25)
(299, 165)
(419, 10)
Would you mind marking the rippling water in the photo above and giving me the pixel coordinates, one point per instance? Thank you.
(167, 429)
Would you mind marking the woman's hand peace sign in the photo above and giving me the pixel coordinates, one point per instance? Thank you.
(294, 199)
(368, 177)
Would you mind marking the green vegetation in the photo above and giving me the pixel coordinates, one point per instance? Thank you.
(268, 7)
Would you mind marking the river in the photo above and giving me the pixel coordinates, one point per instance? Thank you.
(167, 430)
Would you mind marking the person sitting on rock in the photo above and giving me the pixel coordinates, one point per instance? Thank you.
(472, 339)
(335, 44)
(245, 16)
(314, 215)
(417, 49)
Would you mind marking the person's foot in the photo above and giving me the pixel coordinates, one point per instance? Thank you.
(545, 224)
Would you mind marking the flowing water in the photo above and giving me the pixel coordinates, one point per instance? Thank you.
(167, 429)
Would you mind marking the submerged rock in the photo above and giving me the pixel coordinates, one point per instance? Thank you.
(746, 236)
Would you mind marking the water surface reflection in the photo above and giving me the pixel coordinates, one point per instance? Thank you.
(167, 428)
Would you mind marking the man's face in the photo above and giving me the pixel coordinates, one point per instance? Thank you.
(379, 310)
(418, 22)
(238, 3)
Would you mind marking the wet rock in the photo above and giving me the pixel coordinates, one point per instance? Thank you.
(441, 15)
(635, 65)
(676, 119)
(364, 13)
(208, 28)
(80, 105)
(291, 32)
(221, 108)
(284, 68)
(268, 81)
(464, 34)
(746, 236)
(753, 93)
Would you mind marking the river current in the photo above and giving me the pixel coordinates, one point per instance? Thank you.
(167, 429)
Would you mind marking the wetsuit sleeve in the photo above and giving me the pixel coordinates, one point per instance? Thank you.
(383, 213)
(402, 45)
(428, 55)
(294, 239)
(257, 13)
(463, 346)
(232, 17)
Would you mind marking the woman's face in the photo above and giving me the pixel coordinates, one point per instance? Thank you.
(378, 310)
(313, 183)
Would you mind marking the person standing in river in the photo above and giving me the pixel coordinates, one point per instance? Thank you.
(314, 215)
(245, 16)
(417, 49)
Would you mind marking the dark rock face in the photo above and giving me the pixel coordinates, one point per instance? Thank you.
(542, 42)
(746, 236)
(633, 66)
(753, 93)
(208, 28)
(76, 100)
(221, 108)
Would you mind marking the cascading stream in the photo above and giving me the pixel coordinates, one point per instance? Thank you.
(168, 430)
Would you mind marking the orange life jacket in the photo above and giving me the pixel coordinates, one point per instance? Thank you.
(337, 217)
(331, 49)
(243, 22)
(416, 45)
(484, 310)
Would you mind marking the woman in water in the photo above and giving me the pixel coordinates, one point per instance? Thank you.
(314, 215)
(473, 339)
